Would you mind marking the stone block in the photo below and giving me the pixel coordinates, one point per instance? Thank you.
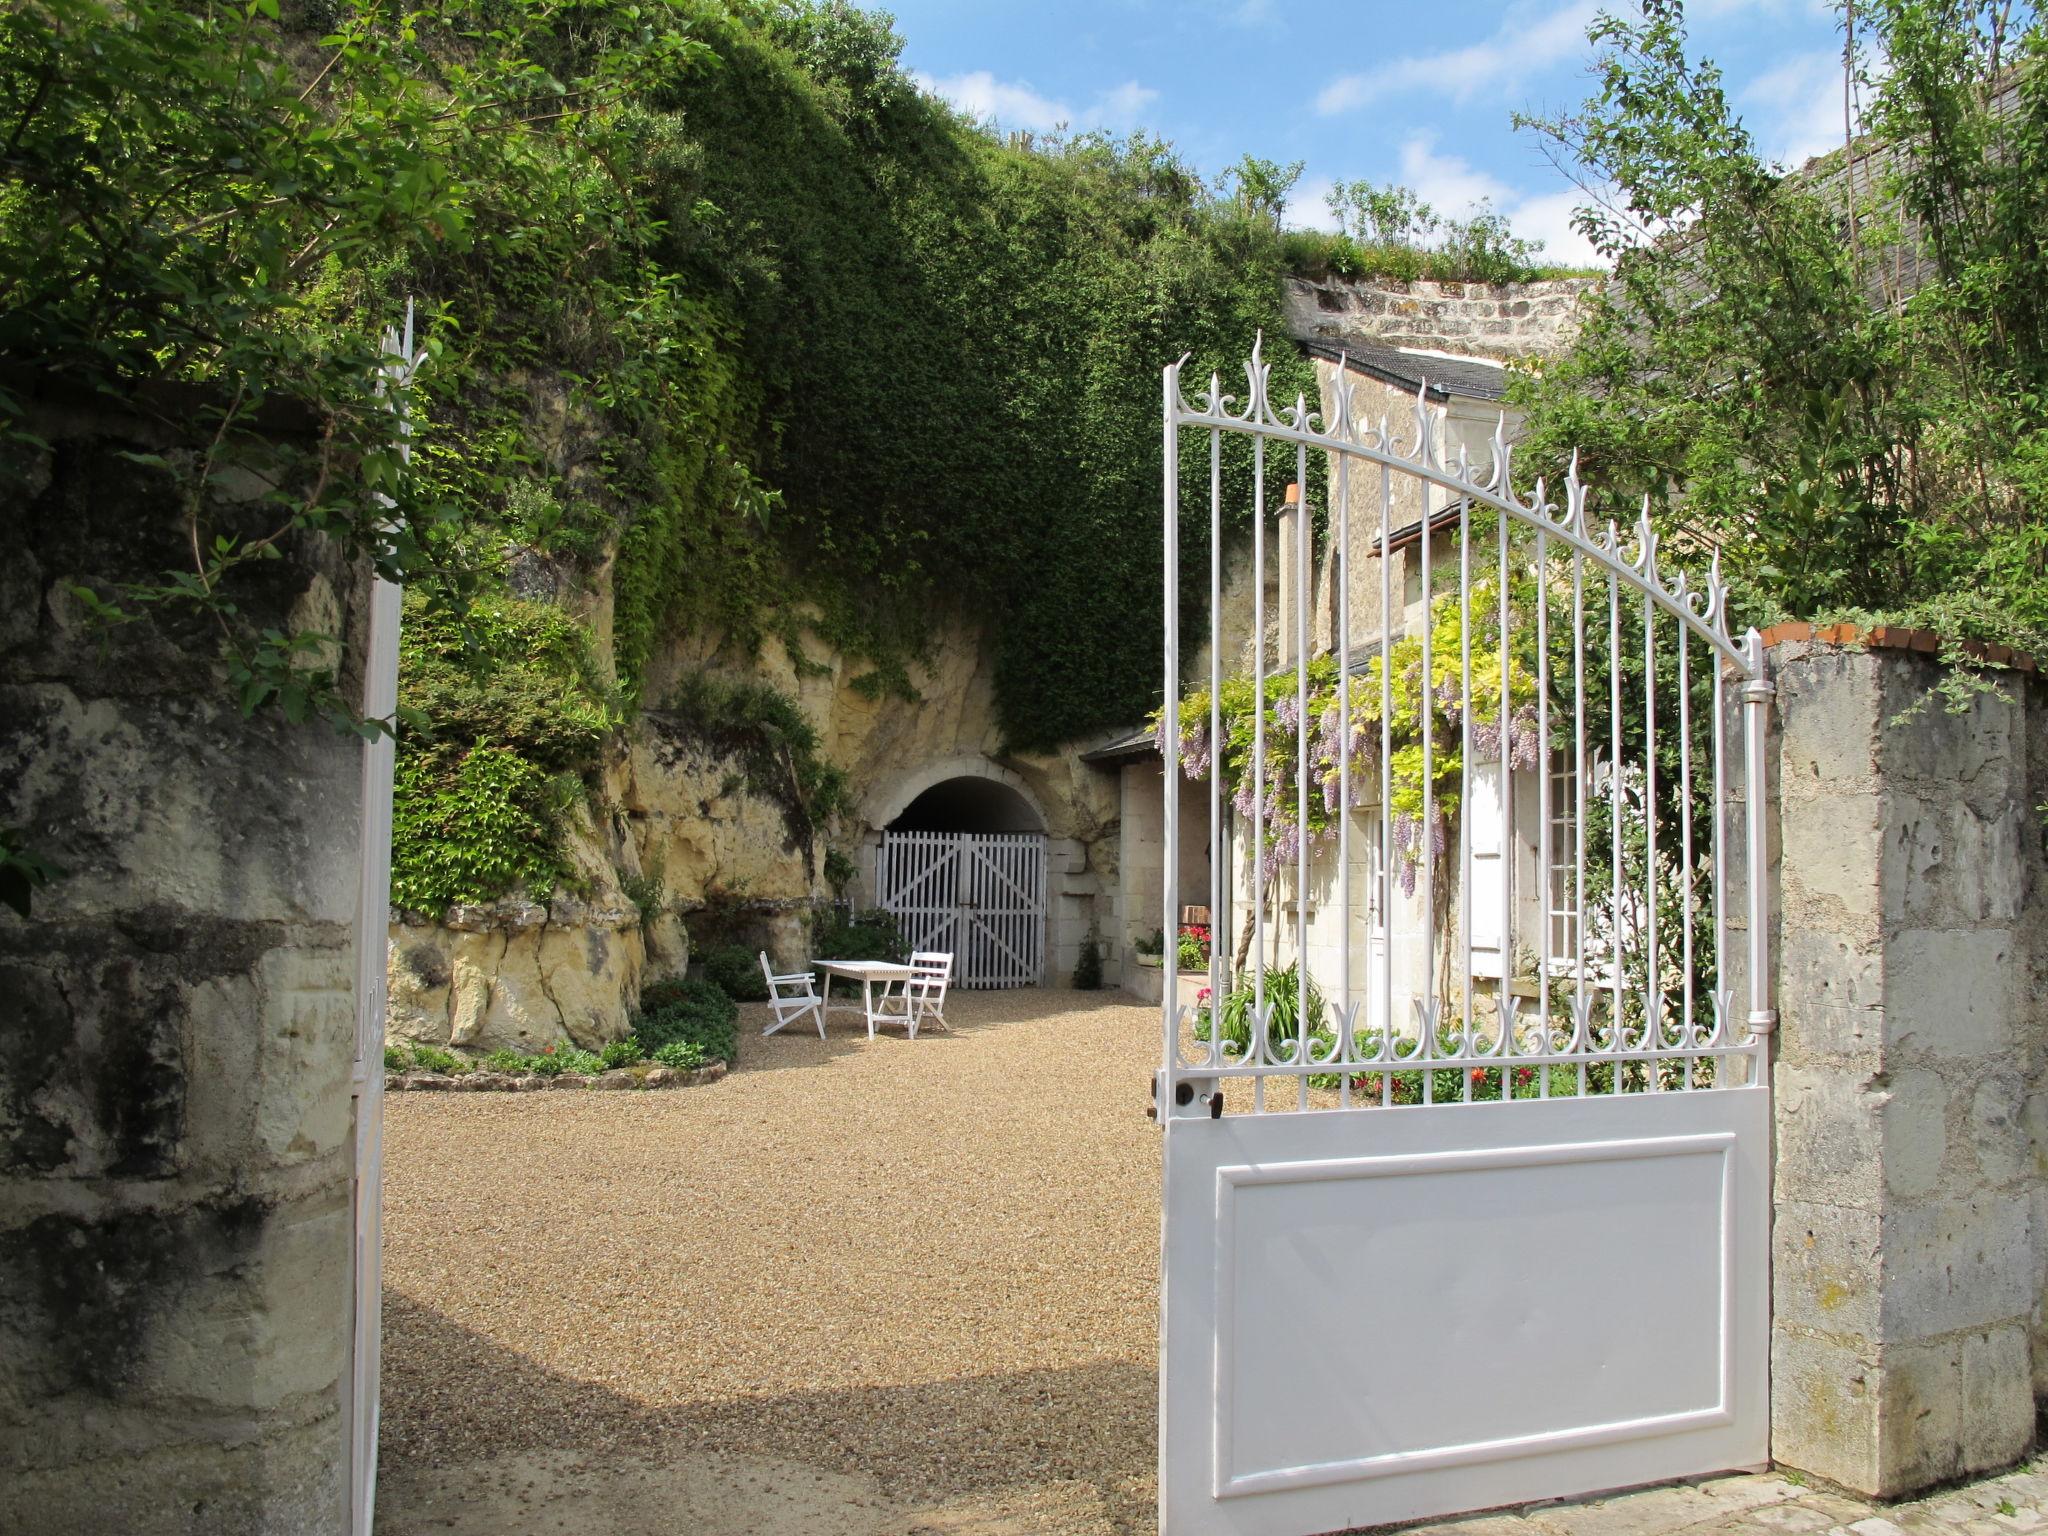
(252, 1335)
(1831, 1145)
(188, 808)
(1951, 1407)
(1824, 1407)
(1835, 984)
(1827, 1269)
(1950, 865)
(288, 1480)
(2001, 1128)
(1949, 993)
(1832, 853)
(272, 1054)
(1829, 712)
(1913, 1116)
(1969, 755)
(1957, 1264)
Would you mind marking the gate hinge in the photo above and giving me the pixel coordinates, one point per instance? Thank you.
(1763, 1021)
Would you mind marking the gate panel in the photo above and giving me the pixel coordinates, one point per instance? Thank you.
(977, 896)
(918, 875)
(1005, 910)
(1377, 1317)
(1467, 1154)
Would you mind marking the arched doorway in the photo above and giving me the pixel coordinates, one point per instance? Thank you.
(962, 865)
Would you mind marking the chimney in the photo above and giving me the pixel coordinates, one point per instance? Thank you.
(1291, 595)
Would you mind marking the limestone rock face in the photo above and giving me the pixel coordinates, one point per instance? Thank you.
(504, 982)
(681, 816)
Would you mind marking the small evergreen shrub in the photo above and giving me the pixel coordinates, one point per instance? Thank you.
(686, 1055)
(847, 935)
(506, 1061)
(395, 1058)
(1088, 972)
(621, 1053)
(736, 971)
(431, 1058)
(696, 1013)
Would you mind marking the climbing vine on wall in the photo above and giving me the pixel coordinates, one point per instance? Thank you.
(1452, 706)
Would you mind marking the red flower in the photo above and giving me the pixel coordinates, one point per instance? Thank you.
(1479, 1074)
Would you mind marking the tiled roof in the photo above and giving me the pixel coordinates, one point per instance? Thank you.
(1468, 378)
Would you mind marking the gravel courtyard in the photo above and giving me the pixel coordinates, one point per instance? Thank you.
(856, 1286)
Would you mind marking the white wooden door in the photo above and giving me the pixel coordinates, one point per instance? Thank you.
(979, 897)
(1003, 909)
(918, 879)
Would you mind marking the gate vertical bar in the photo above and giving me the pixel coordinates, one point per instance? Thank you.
(1757, 694)
(1169, 730)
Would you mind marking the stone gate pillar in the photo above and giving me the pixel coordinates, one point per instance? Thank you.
(1912, 1109)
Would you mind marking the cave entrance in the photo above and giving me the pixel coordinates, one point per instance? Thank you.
(963, 868)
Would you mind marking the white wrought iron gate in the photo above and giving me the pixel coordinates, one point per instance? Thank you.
(977, 896)
(1485, 1220)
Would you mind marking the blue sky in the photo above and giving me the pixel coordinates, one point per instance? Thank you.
(1415, 93)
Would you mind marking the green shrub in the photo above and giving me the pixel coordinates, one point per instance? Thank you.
(548, 1063)
(1283, 1013)
(697, 1013)
(395, 1059)
(843, 934)
(583, 1063)
(1088, 972)
(684, 1054)
(431, 1058)
(736, 971)
(506, 1061)
(621, 1053)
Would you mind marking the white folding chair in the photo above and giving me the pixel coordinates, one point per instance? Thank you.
(791, 997)
(920, 996)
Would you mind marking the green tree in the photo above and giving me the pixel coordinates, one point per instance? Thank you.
(1837, 376)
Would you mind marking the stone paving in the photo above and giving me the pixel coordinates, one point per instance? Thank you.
(2017, 1501)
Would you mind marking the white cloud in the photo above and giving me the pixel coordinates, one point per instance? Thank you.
(1455, 188)
(1120, 107)
(1307, 205)
(1524, 43)
(1796, 109)
(1014, 104)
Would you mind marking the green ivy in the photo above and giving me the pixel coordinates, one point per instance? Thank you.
(512, 714)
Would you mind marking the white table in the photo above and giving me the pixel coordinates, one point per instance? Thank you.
(867, 973)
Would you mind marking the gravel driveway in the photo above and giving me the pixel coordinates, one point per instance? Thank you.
(854, 1287)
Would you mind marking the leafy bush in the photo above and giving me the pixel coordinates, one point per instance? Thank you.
(688, 1012)
(1088, 970)
(621, 1053)
(843, 934)
(1283, 1014)
(685, 1054)
(395, 1058)
(549, 1063)
(736, 971)
(506, 1061)
(431, 1058)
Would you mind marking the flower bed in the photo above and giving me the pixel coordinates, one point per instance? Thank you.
(485, 1081)
(684, 1033)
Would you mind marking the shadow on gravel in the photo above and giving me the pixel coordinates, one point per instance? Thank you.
(445, 1384)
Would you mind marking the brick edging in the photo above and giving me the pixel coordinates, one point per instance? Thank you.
(532, 1082)
(1897, 637)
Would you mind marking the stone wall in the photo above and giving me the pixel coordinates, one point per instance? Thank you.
(1911, 1076)
(176, 1031)
(1480, 319)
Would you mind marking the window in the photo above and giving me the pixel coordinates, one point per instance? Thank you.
(1562, 927)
